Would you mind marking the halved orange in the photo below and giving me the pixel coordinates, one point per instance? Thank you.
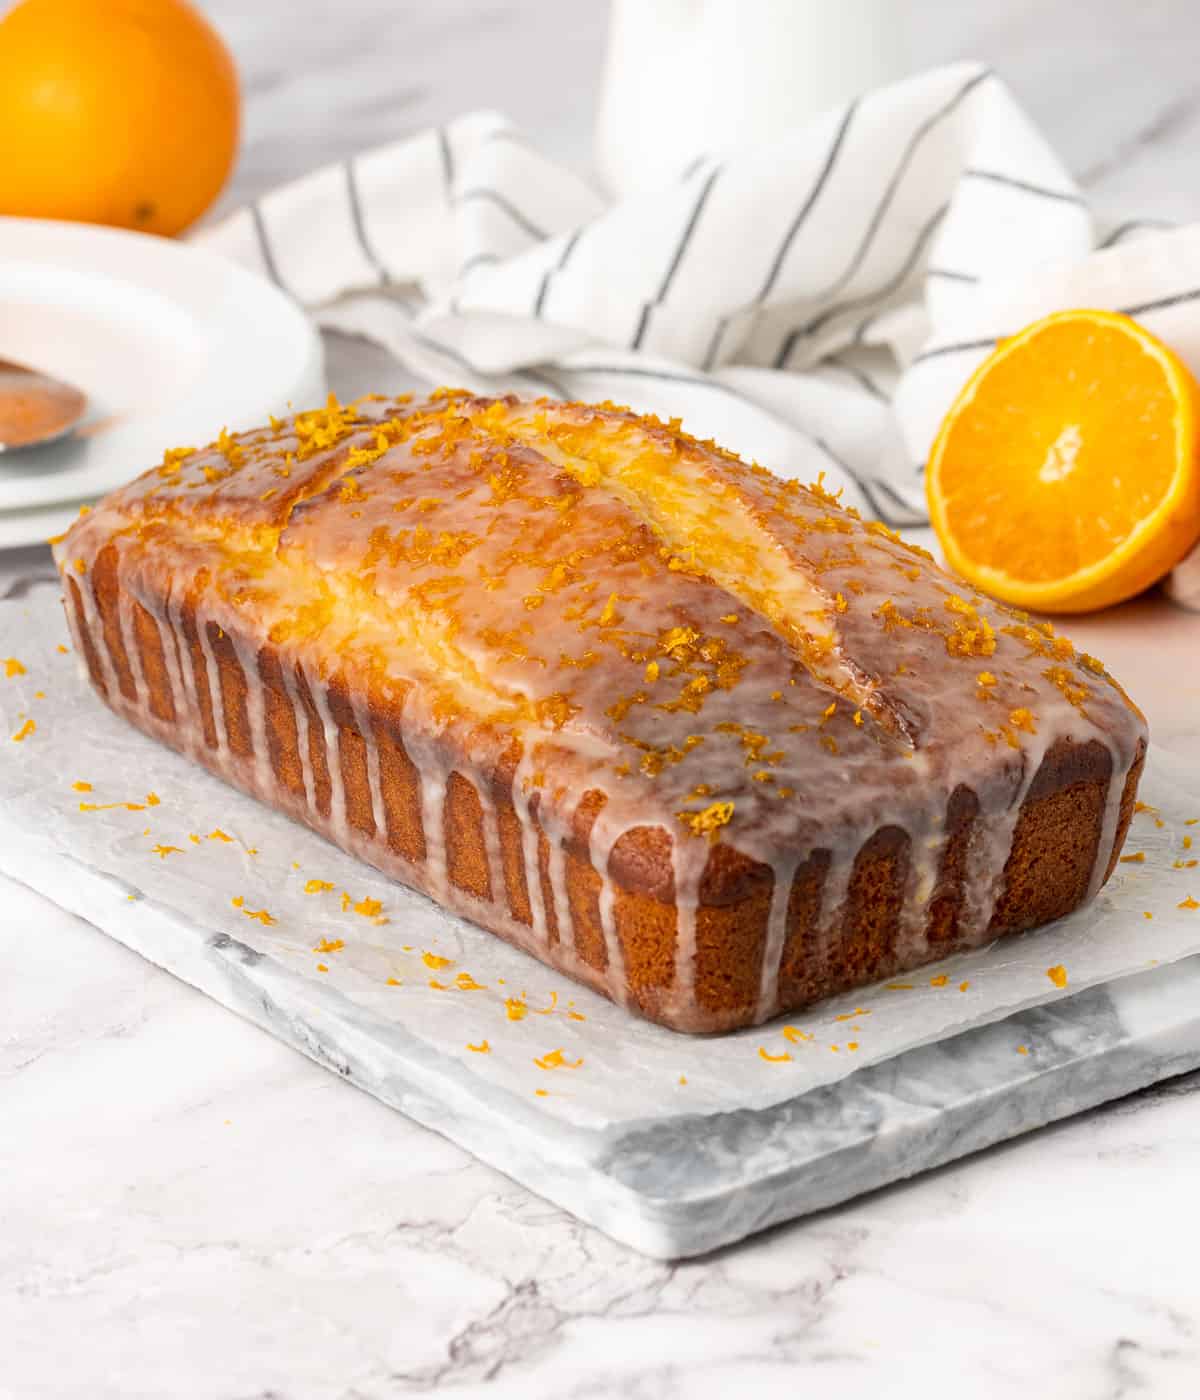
(1065, 476)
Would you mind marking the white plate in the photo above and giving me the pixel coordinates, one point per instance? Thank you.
(24, 527)
(170, 343)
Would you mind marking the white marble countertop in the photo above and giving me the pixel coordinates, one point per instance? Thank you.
(191, 1209)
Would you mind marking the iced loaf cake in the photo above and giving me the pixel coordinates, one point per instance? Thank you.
(699, 737)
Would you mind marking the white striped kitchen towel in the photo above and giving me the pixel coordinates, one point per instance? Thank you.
(814, 303)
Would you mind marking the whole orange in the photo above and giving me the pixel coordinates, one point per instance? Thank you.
(114, 112)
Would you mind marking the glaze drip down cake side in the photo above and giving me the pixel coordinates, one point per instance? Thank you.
(699, 737)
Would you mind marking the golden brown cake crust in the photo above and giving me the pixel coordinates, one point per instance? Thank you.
(696, 736)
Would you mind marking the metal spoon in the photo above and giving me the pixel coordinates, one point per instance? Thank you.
(34, 407)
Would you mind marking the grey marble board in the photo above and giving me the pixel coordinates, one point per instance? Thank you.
(684, 1185)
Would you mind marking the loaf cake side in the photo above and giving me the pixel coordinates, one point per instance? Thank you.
(700, 738)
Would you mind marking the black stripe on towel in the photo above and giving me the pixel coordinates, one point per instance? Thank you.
(880, 293)
(447, 157)
(422, 339)
(477, 260)
(482, 194)
(1011, 182)
(677, 257)
(1128, 226)
(360, 227)
(857, 480)
(714, 344)
(844, 278)
(959, 348)
(861, 376)
(893, 284)
(910, 514)
(505, 133)
(810, 200)
(541, 377)
(1161, 303)
(718, 334)
(1140, 309)
(539, 304)
(264, 245)
(914, 144)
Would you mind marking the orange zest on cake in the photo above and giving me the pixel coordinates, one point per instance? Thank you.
(696, 736)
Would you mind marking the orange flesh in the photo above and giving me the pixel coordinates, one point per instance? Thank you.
(1066, 446)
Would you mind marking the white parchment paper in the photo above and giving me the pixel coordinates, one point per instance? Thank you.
(225, 863)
